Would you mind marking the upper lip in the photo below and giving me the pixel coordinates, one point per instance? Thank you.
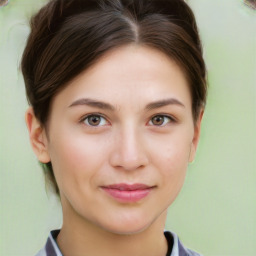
(128, 187)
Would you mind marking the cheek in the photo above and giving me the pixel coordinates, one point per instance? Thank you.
(173, 172)
(174, 165)
(171, 162)
(75, 158)
(177, 156)
(172, 153)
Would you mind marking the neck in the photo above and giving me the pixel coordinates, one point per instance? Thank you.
(81, 237)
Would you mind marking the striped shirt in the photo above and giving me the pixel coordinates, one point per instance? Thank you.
(175, 247)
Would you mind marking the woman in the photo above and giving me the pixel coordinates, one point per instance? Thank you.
(117, 90)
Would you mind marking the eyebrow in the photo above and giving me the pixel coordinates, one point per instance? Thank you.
(107, 106)
(163, 103)
(93, 103)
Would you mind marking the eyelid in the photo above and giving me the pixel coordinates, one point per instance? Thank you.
(170, 117)
(83, 118)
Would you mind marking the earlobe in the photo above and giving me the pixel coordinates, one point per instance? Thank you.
(37, 136)
(194, 143)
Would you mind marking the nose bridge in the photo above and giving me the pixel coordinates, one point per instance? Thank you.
(129, 151)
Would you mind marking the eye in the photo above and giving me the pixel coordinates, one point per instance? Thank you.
(160, 120)
(94, 120)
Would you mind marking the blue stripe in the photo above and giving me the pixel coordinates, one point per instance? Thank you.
(182, 250)
(49, 248)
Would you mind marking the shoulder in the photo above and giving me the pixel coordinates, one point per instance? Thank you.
(42, 252)
(178, 248)
(51, 248)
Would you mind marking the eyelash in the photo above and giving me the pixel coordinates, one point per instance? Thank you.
(84, 118)
(97, 115)
(165, 116)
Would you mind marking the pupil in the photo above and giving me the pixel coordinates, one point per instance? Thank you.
(158, 120)
(94, 120)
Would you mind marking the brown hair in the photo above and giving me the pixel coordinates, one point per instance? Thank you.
(68, 36)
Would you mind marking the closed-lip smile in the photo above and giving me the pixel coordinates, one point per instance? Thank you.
(123, 192)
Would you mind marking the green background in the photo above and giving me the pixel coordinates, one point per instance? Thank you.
(216, 211)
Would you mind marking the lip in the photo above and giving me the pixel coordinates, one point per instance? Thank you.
(128, 192)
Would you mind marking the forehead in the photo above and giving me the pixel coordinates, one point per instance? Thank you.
(129, 74)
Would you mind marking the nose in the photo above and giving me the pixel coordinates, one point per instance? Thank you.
(129, 152)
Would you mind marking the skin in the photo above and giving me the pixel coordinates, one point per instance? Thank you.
(127, 145)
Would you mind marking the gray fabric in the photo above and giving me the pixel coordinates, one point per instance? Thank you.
(49, 248)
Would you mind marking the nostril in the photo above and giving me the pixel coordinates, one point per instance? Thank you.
(122, 162)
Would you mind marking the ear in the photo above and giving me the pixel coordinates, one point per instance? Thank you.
(37, 136)
(197, 129)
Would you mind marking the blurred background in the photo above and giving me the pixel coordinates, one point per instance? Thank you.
(215, 212)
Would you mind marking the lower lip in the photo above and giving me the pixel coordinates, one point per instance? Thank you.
(128, 195)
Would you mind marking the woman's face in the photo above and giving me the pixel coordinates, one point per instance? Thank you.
(120, 137)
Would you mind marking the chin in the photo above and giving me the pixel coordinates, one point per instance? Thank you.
(127, 231)
(129, 228)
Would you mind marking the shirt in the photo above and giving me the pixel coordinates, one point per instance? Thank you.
(175, 247)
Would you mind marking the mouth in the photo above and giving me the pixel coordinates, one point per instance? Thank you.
(128, 192)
